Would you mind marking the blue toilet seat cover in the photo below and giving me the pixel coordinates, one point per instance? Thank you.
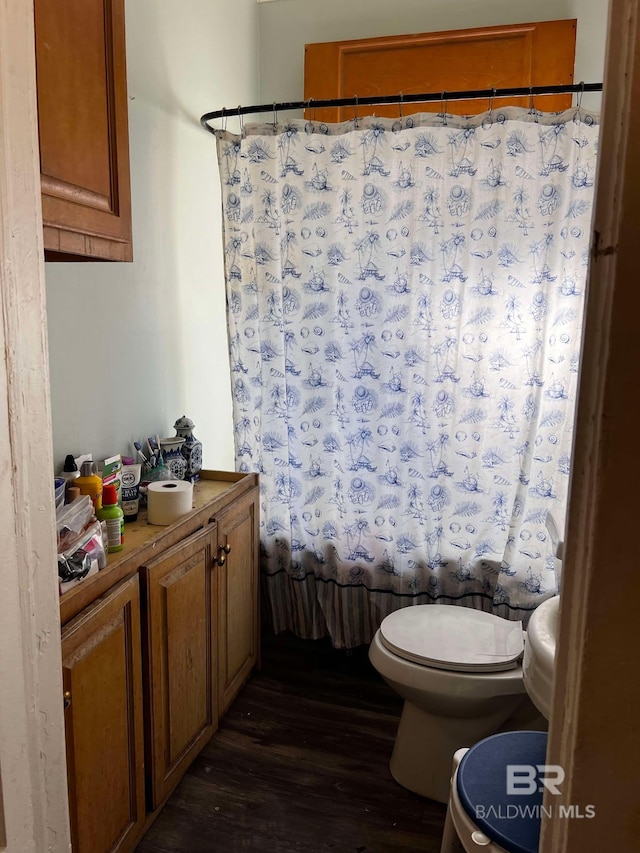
(511, 820)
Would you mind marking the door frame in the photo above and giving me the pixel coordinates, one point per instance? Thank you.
(594, 734)
(33, 780)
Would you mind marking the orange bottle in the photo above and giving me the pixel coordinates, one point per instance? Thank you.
(90, 483)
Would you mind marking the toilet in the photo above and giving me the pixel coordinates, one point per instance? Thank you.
(459, 672)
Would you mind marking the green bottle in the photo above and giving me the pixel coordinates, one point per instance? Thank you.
(114, 516)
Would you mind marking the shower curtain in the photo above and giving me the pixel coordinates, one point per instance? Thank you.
(405, 302)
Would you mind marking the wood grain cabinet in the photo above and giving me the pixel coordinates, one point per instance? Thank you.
(155, 648)
(529, 54)
(237, 596)
(83, 129)
(180, 651)
(102, 678)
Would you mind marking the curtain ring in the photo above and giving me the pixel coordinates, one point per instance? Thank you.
(443, 106)
(576, 115)
(491, 99)
(355, 111)
(224, 119)
(241, 120)
(275, 116)
(400, 107)
(309, 102)
(532, 110)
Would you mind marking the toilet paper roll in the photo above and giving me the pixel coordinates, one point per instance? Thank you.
(168, 500)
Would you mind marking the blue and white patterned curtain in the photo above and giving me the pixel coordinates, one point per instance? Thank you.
(405, 303)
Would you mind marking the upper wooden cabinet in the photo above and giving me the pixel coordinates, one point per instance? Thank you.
(532, 54)
(83, 129)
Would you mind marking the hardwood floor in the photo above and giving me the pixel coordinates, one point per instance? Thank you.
(300, 765)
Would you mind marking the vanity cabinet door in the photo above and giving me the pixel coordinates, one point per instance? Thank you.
(102, 678)
(180, 659)
(83, 129)
(237, 556)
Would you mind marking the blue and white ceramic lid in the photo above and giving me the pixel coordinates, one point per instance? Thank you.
(184, 423)
(454, 638)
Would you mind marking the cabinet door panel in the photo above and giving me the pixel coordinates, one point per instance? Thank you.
(188, 615)
(105, 751)
(73, 31)
(238, 596)
(83, 128)
(180, 670)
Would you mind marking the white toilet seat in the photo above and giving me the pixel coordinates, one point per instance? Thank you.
(457, 639)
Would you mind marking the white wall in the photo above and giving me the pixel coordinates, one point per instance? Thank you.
(287, 25)
(135, 346)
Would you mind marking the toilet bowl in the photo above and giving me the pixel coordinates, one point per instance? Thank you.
(460, 673)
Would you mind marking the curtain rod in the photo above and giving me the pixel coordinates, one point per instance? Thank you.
(374, 100)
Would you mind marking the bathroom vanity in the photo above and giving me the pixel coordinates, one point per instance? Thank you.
(155, 647)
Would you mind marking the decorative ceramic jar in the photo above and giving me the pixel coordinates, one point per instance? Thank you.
(173, 458)
(191, 449)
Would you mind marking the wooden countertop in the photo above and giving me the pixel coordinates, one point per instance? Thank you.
(142, 541)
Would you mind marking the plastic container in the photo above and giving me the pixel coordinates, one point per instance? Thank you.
(114, 517)
(71, 521)
(59, 485)
(90, 484)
